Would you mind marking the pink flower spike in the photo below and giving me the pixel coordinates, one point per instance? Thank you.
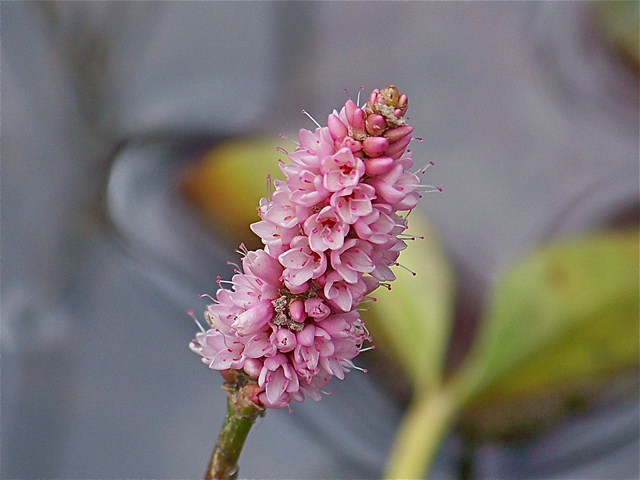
(332, 231)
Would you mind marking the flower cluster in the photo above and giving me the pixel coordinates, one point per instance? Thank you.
(331, 233)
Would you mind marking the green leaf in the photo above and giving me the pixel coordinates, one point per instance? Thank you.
(414, 318)
(572, 307)
(227, 183)
(563, 326)
(567, 313)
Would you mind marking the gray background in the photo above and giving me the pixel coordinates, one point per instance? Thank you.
(533, 131)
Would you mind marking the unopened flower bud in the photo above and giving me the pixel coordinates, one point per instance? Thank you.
(350, 108)
(358, 124)
(375, 124)
(296, 310)
(286, 340)
(395, 134)
(396, 149)
(375, 146)
(403, 102)
(378, 166)
(370, 106)
(252, 367)
(337, 129)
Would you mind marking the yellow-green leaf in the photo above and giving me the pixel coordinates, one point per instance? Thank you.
(226, 185)
(569, 311)
(563, 327)
(414, 318)
(572, 307)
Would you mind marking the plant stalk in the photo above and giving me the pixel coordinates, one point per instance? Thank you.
(430, 415)
(241, 415)
(421, 431)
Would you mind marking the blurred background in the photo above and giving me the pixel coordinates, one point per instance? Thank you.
(529, 111)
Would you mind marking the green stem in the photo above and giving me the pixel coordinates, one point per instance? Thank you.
(242, 413)
(420, 433)
(430, 415)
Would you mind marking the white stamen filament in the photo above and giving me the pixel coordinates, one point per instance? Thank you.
(397, 264)
(311, 118)
(191, 314)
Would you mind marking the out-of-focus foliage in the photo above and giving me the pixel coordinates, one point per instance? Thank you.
(567, 316)
(415, 317)
(618, 22)
(563, 324)
(226, 185)
(560, 324)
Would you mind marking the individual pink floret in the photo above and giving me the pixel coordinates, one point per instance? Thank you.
(326, 230)
(301, 263)
(341, 170)
(314, 147)
(306, 186)
(352, 260)
(281, 210)
(354, 202)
